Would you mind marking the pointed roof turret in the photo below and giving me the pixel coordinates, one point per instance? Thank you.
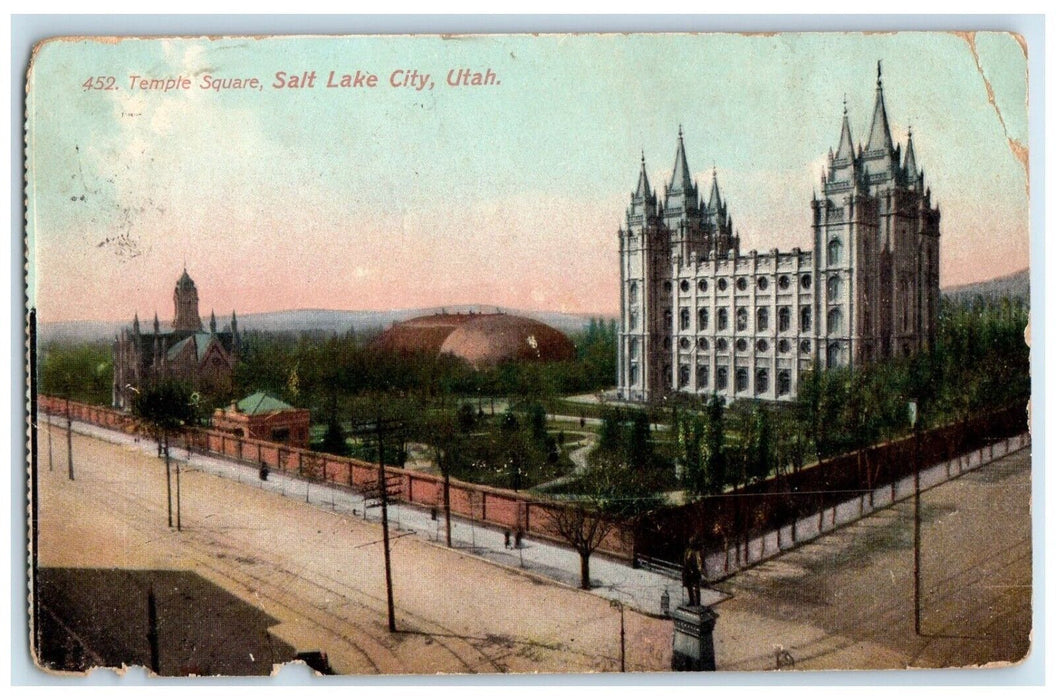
(185, 281)
(157, 326)
(846, 148)
(212, 322)
(680, 177)
(911, 159)
(135, 324)
(879, 132)
(715, 200)
(643, 182)
(681, 196)
(234, 322)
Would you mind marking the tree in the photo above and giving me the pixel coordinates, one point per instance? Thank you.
(761, 451)
(715, 446)
(334, 439)
(608, 493)
(467, 418)
(639, 444)
(610, 435)
(166, 407)
(690, 443)
(82, 372)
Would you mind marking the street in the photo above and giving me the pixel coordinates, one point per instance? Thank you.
(843, 601)
(319, 574)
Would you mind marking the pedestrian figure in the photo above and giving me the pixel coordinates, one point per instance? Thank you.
(517, 539)
(506, 535)
(582, 421)
(263, 471)
(691, 572)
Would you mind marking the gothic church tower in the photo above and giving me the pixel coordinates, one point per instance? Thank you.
(185, 299)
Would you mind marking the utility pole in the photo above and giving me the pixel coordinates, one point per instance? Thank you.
(623, 637)
(384, 485)
(916, 516)
(51, 464)
(378, 428)
(168, 477)
(179, 525)
(69, 439)
(152, 632)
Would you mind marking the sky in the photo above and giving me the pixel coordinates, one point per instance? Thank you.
(508, 194)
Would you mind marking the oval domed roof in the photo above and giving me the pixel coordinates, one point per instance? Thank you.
(492, 338)
(479, 339)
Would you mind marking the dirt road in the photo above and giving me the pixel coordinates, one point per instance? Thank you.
(320, 575)
(846, 600)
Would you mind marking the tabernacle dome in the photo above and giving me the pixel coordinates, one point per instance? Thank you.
(479, 339)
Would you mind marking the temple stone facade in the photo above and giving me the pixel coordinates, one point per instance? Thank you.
(205, 360)
(699, 316)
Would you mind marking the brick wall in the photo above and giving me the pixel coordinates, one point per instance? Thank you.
(497, 507)
(719, 520)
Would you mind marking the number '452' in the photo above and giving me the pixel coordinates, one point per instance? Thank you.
(102, 82)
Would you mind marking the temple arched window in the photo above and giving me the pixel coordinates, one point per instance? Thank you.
(762, 319)
(835, 321)
(762, 381)
(835, 252)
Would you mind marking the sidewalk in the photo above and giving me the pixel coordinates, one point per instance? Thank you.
(637, 588)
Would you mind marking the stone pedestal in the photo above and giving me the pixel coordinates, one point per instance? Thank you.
(692, 648)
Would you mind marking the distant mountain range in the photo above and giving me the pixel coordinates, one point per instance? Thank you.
(319, 320)
(1016, 285)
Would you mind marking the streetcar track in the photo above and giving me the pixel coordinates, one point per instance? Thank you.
(201, 534)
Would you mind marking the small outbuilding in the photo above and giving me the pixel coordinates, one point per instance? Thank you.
(265, 417)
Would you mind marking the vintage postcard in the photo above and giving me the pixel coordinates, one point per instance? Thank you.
(529, 353)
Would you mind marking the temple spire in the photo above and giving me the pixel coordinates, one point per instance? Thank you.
(157, 325)
(212, 322)
(911, 159)
(680, 177)
(846, 148)
(643, 181)
(879, 132)
(715, 201)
